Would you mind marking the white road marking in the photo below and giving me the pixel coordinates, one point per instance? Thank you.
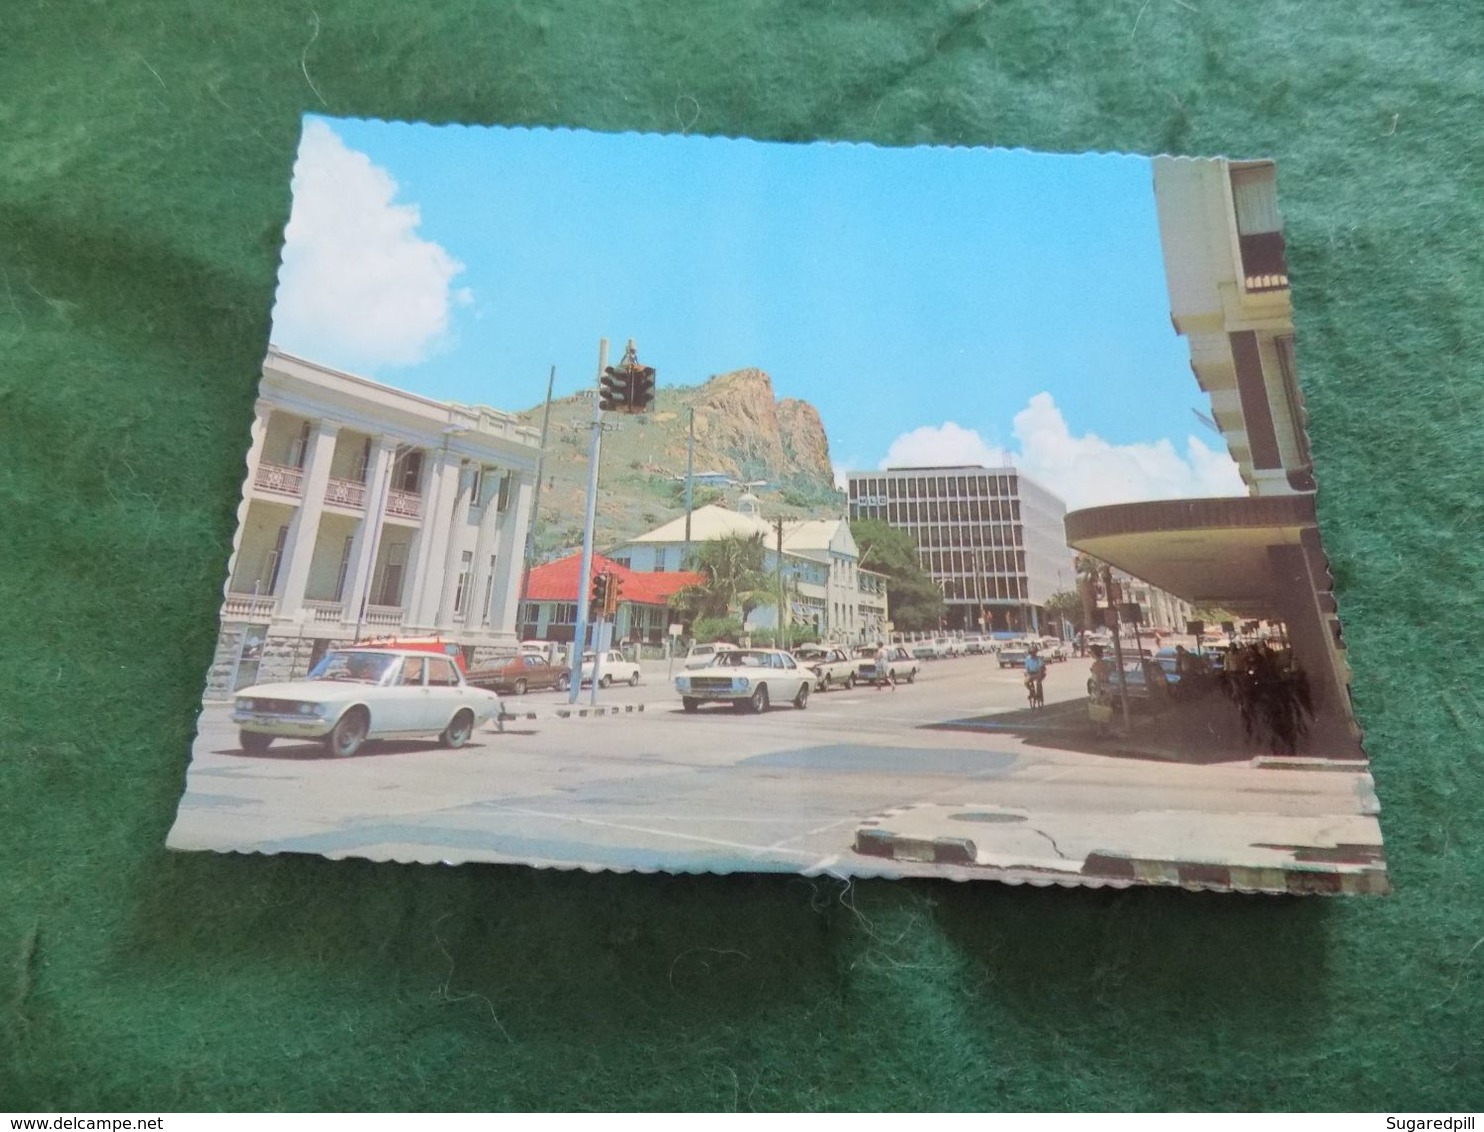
(579, 820)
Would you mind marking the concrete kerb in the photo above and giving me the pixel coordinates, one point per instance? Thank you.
(602, 711)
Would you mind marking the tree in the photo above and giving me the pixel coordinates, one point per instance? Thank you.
(913, 601)
(735, 578)
(1067, 606)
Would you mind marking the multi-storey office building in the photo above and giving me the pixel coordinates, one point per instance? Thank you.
(370, 511)
(991, 538)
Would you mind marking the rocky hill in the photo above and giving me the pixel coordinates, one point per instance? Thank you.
(742, 431)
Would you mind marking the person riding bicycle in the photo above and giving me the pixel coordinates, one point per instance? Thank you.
(1035, 674)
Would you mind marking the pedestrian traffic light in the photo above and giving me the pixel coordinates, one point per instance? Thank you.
(614, 389)
(641, 389)
(612, 594)
(600, 593)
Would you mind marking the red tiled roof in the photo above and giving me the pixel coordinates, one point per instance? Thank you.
(557, 581)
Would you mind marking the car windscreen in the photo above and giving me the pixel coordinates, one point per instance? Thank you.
(742, 660)
(354, 666)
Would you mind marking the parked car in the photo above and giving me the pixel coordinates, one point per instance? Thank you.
(930, 648)
(975, 645)
(1053, 649)
(1146, 681)
(900, 665)
(615, 669)
(748, 679)
(358, 694)
(553, 652)
(701, 656)
(829, 665)
(1013, 653)
(951, 646)
(521, 673)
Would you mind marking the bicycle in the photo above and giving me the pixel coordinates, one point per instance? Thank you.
(1035, 692)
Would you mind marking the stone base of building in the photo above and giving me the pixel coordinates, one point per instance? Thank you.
(248, 653)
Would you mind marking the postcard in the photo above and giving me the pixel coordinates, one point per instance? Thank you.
(660, 503)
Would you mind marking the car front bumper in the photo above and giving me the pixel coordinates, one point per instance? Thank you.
(287, 726)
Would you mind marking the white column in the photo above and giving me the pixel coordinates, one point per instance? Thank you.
(452, 552)
(489, 522)
(368, 533)
(261, 413)
(304, 527)
(509, 555)
(425, 585)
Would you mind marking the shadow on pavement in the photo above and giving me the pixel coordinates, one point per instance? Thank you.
(310, 752)
(1200, 733)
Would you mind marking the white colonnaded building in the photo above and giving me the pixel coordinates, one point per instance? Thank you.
(371, 512)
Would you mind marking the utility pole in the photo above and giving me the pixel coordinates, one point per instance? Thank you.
(1118, 646)
(525, 574)
(690, 467)
(782, 632)
(584, 581)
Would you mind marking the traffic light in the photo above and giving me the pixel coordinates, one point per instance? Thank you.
(612, 594)
(641, 389)
(614, 389)
(600, 593)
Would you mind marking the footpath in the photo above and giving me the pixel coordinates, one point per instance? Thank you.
(1183, 798)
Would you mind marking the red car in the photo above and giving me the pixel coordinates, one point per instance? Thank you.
(517, 675)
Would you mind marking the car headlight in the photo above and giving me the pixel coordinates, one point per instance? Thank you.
(682, 683)
(244, 705)
(740, 683)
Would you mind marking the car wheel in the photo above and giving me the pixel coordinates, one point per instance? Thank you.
(349, 733)
(253, 742)
(564, 681)
(634, 680)
(850, 681)
(690, 703)
(605, 682)
(520, 688)
(759, 701)
(457, 733)
(801, 701)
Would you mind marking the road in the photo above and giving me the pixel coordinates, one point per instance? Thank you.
(950, 776)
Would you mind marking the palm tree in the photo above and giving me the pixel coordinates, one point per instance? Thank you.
(734, 577)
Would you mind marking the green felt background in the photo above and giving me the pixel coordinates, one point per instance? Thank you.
(145, 150)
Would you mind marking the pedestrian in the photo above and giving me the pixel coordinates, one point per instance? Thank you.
(884, 675)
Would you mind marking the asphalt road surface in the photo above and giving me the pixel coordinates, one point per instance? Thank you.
(954, 758)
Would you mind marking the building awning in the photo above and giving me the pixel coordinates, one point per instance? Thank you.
(1207, 551)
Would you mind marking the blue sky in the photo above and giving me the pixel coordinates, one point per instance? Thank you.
(900, 291)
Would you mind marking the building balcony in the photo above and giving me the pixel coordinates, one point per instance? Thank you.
(1264, 265)
(249, 607)
(279, 479)
(346, 493)
(404, 504)
(324, 612)
(384, 616)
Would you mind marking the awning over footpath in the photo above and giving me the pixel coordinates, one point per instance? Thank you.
(1214, 552)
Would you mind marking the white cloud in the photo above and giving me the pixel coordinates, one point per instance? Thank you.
(358, 286)
(944, 444)
(1086, 470)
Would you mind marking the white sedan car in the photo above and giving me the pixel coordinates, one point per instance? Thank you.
(615, 669)
(748, 679)
(357, 694)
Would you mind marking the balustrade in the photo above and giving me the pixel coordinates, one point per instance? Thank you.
(280, 479)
